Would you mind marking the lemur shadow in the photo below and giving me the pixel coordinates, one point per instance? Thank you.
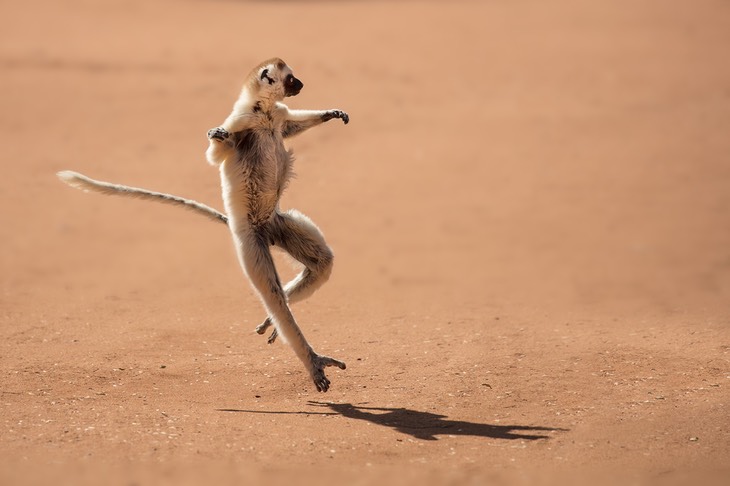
(422, 425)
(427, 425)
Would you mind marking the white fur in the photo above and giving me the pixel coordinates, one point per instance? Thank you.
(255, 167)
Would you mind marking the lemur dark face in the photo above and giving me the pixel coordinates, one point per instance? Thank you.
(292, 86)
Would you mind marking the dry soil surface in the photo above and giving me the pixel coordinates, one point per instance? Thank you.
(530, 211)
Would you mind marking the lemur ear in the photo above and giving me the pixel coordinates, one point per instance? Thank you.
(265, 75)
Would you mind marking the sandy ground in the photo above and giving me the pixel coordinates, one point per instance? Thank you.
(530, 211)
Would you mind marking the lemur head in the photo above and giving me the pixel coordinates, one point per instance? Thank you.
(273, 79)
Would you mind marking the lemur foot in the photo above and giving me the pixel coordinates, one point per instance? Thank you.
(318, 364)
(336, 114)
(218, 133)
(261, 328)
(272, 337)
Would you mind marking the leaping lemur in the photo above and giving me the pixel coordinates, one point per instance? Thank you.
(255, 167)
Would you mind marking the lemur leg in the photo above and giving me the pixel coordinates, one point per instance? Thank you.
(255, 258)
(296, 234)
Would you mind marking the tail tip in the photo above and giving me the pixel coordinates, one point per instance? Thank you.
(66, 175)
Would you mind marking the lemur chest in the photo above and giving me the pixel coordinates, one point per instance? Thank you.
(262, 152)
(258, 174)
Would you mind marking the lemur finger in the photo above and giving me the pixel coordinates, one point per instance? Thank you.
(336, 114)
(342, 115)
(218, 133)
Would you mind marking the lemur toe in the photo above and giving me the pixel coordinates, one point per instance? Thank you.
(261, 328)
(273, 336)
(322, 383)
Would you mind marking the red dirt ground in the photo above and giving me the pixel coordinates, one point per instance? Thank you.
(531, 215)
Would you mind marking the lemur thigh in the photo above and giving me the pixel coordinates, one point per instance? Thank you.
(296, 234)
(256, 261)
(303, 241)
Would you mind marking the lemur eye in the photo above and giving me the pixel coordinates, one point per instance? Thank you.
(289, 79)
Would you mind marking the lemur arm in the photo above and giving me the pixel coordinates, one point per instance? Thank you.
(297, 121)
(220, 146)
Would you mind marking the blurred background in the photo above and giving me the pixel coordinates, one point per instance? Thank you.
(562, 152)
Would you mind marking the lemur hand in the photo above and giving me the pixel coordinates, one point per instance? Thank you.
(218, 133)
(336, 114)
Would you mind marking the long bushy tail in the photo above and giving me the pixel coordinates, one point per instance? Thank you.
(84, 183)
